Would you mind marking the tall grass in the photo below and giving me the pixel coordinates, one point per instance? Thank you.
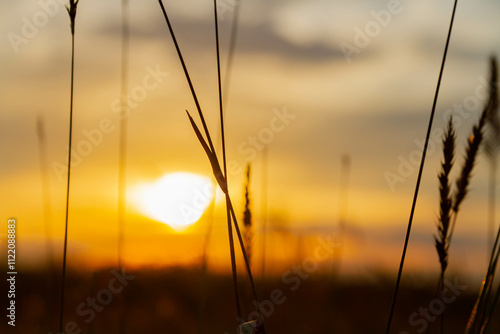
(450, 202)
(220, 173)
(420, 171)
(463, 181)
(72, 15)
(445, 205)
(491, 146)
(223, 177)
(208, 234)
(485, 303)
(247, 217)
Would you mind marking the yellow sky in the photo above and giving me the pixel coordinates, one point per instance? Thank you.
(287, 62)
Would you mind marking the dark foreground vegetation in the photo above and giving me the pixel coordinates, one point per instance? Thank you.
(180, 300)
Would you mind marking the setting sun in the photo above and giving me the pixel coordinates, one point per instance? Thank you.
(176, 199)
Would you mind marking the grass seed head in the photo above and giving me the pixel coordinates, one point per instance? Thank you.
(72, 13)
(445, 212)
(475, 140)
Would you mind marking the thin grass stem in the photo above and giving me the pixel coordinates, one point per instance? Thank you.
(220, 176)
(188, 78)
(420, 171)
(72, 13)
(223, 138)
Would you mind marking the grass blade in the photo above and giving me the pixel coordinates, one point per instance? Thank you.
(421, 168)
(247, 217)
(491, 145)
(490, 311)
(72, 14)
(445, 212)
(188, 77)
(479, 309)
(214, 161)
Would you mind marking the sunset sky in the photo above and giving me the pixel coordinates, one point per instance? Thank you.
(290, 59)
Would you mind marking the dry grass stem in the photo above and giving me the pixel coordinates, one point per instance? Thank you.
(420, 171)
(247, 218)
(72, 15)
(474, 142)
(490, 147)
(220, 176)
(445, 212)
(479, 317)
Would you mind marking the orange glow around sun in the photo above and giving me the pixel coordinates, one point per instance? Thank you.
(176, 199)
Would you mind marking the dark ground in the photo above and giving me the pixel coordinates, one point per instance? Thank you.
(168, 301)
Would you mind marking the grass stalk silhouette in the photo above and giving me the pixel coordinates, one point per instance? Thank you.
(450, 202)
(226, 85)
(446, 202)
(247, 216)
(445, 207)
(483, 308)
(491, 146)
(463, 181)
(420, 171)
(72, 15)
(224, 165)
(220, 176)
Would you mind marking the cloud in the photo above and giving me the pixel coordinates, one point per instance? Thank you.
(198, 36)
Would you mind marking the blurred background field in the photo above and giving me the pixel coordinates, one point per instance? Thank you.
(170, 301)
